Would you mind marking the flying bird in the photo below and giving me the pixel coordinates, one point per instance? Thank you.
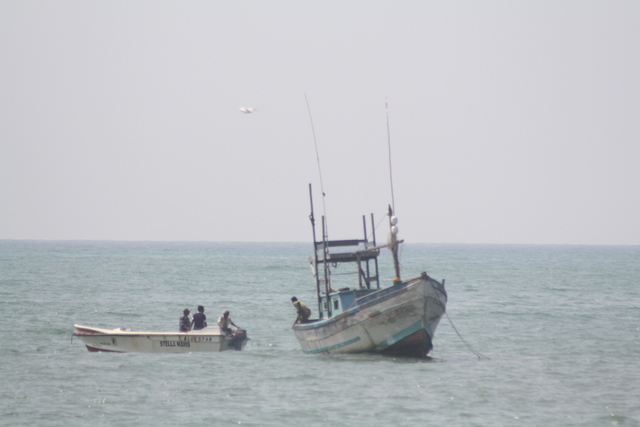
(246, 110)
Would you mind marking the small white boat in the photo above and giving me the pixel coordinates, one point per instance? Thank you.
(127, 341)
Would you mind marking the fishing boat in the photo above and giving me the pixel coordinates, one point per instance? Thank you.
(127, 341)
(398, 320)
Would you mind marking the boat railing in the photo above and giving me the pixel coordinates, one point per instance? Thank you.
(338, 243)
(339, 257)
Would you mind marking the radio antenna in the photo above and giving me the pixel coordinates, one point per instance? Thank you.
(324, 208)
(386, 107)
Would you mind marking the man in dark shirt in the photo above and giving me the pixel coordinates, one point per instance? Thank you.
(199, 319)
(185, 323)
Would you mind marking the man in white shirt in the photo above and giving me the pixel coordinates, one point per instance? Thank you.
(223, 323)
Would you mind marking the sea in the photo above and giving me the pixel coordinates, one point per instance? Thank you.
(535, 335)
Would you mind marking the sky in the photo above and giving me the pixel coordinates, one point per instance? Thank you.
(508, 122)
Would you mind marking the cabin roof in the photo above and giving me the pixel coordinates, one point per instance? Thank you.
(356, 256)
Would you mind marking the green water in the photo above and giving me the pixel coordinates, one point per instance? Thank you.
(560, 325)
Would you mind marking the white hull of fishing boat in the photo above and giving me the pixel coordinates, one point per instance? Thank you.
(209, 339)
(400, 320)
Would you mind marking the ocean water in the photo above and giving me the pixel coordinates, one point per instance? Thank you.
(558, 326)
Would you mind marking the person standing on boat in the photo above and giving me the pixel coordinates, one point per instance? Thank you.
(199, 319)
(223, 323)
(303, 311)
(185, 323)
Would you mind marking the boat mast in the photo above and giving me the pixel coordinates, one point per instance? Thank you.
(373, 234)
(393, 230)
(393, 242)
(325, 265)
(315, 252)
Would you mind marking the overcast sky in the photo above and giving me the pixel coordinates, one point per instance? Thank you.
(510, 121)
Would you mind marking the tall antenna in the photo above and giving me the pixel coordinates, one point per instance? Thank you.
(386, 107)
(324, 209)
(393, 230)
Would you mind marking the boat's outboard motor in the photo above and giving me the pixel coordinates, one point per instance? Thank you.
(238, 339)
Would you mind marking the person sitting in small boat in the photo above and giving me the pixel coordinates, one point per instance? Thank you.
(303, 311)
(185, 323)
(223, 323)
(199, 319)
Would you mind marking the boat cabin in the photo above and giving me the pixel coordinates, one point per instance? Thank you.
(340, 301)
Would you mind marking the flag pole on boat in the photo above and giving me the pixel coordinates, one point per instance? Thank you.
(393, 220)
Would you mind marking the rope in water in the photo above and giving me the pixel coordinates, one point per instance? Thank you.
(477, 353)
